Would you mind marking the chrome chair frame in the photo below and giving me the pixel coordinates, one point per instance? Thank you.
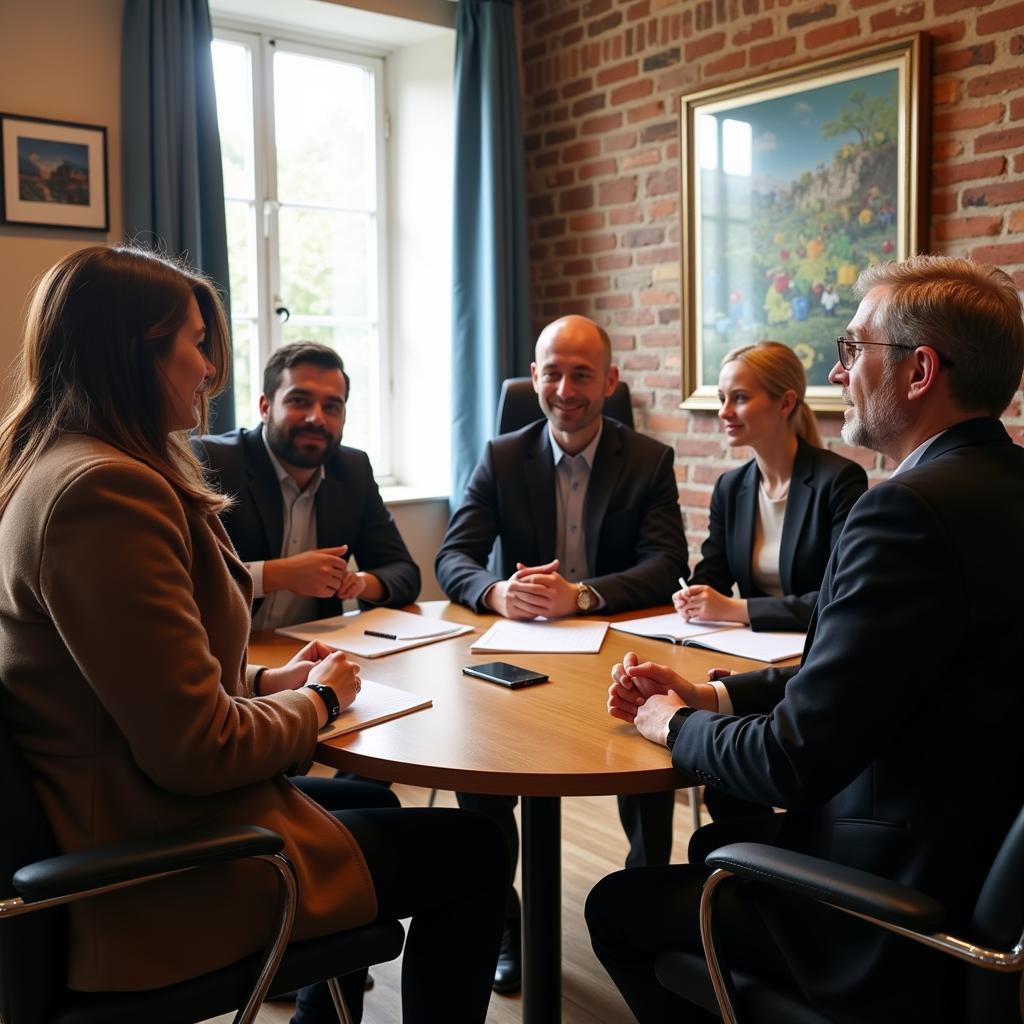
(18, 906)
(743, 863)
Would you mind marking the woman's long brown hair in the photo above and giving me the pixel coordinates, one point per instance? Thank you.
(98, 323)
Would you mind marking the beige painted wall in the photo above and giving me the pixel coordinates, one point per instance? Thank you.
(59, 59)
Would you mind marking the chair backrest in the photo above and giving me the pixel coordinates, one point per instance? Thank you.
(33, 947)
(518, 405)
(998, 922)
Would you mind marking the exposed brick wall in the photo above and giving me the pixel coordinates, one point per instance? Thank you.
(601, 84)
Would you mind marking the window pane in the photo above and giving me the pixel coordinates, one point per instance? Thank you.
(232, 76)
(243, 337)
(357, 347)
(324, 149)
(241, 224)
(328, 263)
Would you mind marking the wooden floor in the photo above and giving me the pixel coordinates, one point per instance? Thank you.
(593, 845)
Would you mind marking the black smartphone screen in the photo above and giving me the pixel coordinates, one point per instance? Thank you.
(504, 674)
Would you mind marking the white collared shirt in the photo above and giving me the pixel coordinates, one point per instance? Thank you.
(298, 534)
(916, 455)
(572, 480)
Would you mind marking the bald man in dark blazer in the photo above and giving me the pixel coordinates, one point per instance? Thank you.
(536, 491)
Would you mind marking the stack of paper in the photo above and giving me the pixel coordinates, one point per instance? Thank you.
(725, 637)
(375, 633)
(557, 636)
(374, 703)
(671, 627)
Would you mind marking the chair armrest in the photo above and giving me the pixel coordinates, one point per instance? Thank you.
(840, 886)
(131, 861)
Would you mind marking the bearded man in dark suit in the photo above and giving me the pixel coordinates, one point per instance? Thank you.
(909, 690)
(305, 503)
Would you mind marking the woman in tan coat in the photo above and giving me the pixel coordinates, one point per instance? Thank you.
(124, 619)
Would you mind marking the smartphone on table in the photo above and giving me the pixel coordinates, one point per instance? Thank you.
(505, 674)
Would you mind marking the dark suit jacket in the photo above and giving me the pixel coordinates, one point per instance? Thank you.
(907, 705)
(822, 490)
(635, 543)
(349, 510)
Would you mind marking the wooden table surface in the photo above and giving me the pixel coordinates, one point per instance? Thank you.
(540, 742)
(553, 739)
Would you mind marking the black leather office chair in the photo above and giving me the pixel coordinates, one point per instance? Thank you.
(994, 943)
(36, 884)
(518, 405)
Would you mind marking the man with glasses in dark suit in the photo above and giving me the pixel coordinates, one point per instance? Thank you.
(908, 692)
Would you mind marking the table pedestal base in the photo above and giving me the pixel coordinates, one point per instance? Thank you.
(542, 910)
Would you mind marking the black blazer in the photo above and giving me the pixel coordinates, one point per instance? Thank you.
(822, 490)
(349, 510)
(908, 703)
(635, 541)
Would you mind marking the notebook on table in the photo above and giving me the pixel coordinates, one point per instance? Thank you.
(724, 637)
(557, 636)
(375, 703)
(376, 632)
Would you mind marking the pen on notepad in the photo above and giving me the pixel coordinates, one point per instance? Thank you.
(411, 636)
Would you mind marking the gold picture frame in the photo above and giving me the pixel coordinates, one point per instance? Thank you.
(793, 182)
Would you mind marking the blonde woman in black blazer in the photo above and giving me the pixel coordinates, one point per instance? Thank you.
(791, 477)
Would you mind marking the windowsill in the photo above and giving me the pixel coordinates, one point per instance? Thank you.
(399, 494)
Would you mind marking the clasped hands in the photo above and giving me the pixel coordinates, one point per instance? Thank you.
(534, 590)
(320, 572)
(647, 695)
(315, 663)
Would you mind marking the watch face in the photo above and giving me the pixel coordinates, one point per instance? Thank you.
(584, 600)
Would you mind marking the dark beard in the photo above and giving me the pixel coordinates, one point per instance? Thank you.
(281, 445)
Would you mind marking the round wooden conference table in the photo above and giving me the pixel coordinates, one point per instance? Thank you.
(540, 743)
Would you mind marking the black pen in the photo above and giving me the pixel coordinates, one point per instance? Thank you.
(383, 636)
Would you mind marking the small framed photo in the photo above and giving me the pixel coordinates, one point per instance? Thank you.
(53, 173)
(793, 183)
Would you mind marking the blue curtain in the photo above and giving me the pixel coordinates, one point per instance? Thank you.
(491, 285)
(173, 183)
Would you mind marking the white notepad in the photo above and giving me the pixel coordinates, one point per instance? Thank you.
(560, 636)
(375, 703)
(349, 633)
(745, 643)
(670, 626)
(724, 637)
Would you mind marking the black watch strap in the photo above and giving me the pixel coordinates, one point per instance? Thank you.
(676, 723)
(329, 697)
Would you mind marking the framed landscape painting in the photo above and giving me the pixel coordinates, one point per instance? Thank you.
(53, 173)
(793, 183)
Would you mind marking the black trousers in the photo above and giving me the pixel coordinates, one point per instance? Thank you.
(635, 914)
(646, 819)
(445, 869)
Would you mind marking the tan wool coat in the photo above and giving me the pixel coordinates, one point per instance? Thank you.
(124, 618)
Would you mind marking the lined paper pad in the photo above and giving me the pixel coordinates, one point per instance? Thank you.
(724, 637)
(563, 636)
(745, 643)
(669, 626)
(346, 632)
(374, 703)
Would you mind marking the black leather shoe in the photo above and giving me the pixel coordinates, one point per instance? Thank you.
(508, 974)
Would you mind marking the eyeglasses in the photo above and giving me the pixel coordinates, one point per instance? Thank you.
(849, 350)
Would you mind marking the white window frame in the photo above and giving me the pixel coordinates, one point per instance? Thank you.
(268, 334)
